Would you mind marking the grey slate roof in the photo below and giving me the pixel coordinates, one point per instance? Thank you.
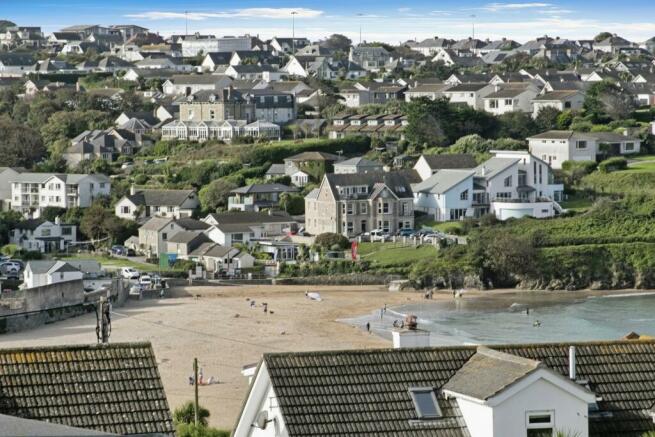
(251, 217)
(450, 161)
(265, 188)
(494, 166)
(150, 197)
(395, 181)
(113, 388)
(11, 426)
(442, 181)
(365, 392)
(488, 373)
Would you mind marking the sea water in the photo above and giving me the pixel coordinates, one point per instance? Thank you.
(495, 319)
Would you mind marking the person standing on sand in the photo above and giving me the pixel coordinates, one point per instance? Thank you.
(368, 327)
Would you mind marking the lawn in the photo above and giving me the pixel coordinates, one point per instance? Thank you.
(577, 203)
(446, 227)
(645, 165)
(393, 254)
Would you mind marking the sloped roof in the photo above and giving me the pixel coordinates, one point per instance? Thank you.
(265, 188)
(11, 426)
(312, 156)
(365, 392)
(493, 166)
(191, 224)
(488, 373)
(395, 181)
(442, 181)
(251, 217)
(185, 237)
(451, 161)
(153, 197)
(113, 387)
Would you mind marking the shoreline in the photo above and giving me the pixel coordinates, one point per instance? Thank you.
(217, 325)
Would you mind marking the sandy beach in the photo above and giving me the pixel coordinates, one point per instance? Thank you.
(221, 329)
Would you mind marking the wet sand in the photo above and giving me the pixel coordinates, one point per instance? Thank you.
(224, 333)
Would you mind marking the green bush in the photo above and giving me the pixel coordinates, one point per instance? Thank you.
(613, 164)
(331, 239)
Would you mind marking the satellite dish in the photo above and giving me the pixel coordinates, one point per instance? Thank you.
(262, 420)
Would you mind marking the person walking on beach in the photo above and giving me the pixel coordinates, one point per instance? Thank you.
(381, 313)
(368, 327)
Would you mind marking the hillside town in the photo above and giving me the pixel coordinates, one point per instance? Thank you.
(352, 237)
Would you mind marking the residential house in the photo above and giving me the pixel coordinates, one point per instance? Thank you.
(145, 203)
(40, 273)
(218, 259)
(391, 125)
(263, 225)
(288, 45)
(211, 105)
(511, 184)
(155, 233)
(253, 72)
(17, 64)
(32, 192)
(555, 146)
(44, 236)
(471, 94)
(214, 60)
(511, 98)
(370, 58)
(127, 373)
(106, 144)
(584, 389)
(357, 165)
(193, 45)
(7, 173)
(560, 100)
(372, 93)
(272, 106)
(262, 129)
(432, 91)
(183, 243)
(257, 197)
(305, 166)
(445, 195)
(612, 44)
(430, 46)
(461, 58)
(427, 165)
(352, 204)
(188, 84)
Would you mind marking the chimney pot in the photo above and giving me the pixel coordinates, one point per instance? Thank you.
(572, 363)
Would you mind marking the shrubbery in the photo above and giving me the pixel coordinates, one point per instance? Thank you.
(613, 164)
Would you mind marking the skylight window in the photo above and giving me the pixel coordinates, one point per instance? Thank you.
(425, 402)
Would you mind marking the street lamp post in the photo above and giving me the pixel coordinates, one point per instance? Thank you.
(360, 28)
(473, 25)
(293, 32)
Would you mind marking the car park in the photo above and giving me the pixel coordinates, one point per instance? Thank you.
(406, 232)
(378, 235)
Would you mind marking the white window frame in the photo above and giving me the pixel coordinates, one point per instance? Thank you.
(548, 425)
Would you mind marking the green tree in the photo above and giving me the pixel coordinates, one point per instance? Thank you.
(214, 195)
(293, 204)
(337, 42)
(67, 125)
(20, 146)
(50, 213)
(547, 118)
(328, 240)
(519, 125)
(602, 36)
(191, 430)
(186, 414)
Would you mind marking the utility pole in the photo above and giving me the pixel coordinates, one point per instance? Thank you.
(293, 32)
(196, 416)
(103, 323)
(186, 23)
(360, 15)
(473, 25)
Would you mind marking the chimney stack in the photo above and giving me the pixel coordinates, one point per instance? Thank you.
(409, 336)
(572, 363)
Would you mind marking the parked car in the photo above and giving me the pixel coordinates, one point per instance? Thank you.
(406, 232)
(378, 235)
(130, 252)
(118, 250)
(129, 273)
(127, 165)
(145, 281)
(9, 267)
(136, 290)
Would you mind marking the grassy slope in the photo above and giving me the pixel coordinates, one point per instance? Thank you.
(389, 254)
(111, 263)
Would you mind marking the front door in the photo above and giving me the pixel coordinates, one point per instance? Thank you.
(364, 226)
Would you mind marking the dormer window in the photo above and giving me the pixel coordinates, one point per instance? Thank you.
(425, 403)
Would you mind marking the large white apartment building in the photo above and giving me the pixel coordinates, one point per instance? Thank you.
(32, 192)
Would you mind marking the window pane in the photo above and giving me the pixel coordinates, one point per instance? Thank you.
(425, 405)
